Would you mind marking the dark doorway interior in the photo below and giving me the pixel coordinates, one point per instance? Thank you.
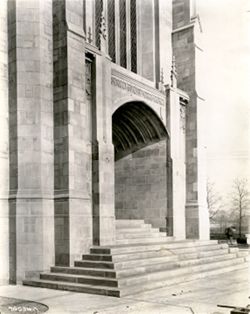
(140, 141)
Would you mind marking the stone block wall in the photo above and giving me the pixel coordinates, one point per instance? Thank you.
(184, 52)
(4, 146)
(103, 154)
(141, 185)
(186, 49)
(73, 203)
(181, 13)
(31, 137)
(177, 103)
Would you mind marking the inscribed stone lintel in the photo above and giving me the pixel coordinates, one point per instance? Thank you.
(136, 90)
(136, 87)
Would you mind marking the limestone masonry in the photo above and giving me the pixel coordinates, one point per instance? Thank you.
(99, 121)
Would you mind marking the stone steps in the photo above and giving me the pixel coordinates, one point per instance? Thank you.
(183, 253)
(200, 254)
(93, 289)
(97, 257)
(187, 247)
(194, 261)
(136, 231)
(141, 260)
(200, 247)
(95, 264)
(171, 265)
(139, 279)
(144, 228)
(144, 262)
(140, 255)
(128, 289)
(116, 292)
(122, 236)
(180, 271)
(130, 270)
(130, 223)
(91, 280)
(103, 272)
(169, 243)
(183, 278)
(149, 239)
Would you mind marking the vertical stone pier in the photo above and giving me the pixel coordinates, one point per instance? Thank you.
(4, 146)
(31, 138)
(103, 156)
(187, 50)
(176, 108)
(72, 129)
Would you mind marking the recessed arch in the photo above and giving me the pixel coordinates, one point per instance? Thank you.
(135, 125)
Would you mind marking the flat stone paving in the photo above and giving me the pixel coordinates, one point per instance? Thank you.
(199, 297)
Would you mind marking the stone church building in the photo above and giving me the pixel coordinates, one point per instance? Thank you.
(99, 126)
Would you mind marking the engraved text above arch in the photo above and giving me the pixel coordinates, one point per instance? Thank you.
(137, 90)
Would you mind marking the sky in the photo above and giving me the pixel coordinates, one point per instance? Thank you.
(226, 44)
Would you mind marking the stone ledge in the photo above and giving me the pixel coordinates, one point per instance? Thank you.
(75, 30)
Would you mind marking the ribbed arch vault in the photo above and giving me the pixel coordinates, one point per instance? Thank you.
(135, 125)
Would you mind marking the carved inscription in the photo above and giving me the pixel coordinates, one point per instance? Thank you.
(136, 90)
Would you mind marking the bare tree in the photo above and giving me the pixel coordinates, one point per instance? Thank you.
(213, 200)
(240, 200)
(222, 220)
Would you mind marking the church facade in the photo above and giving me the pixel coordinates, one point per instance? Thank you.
(100, 120)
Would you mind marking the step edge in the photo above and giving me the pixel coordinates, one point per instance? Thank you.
(190, 268)
(70, 284)
(225, 270)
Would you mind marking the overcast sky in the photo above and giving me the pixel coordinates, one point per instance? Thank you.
(226, 41)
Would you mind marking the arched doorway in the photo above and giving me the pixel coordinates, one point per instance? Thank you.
(140, 141)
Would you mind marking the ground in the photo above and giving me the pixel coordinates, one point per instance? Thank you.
(199, 297)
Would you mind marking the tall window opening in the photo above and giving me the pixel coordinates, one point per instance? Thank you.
(123, 34)
(84, 15)
(98, 14)
(111, 29)
(133, 36)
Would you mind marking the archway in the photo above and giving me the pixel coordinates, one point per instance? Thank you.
(140, 141)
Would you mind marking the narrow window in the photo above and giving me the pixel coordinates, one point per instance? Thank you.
(111, 29)
(98, 14)
(123, 37)
(133, 36)
(84, 15)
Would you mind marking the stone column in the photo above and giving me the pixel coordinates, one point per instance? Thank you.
(31, 138)
(186, 49)
(4, 147)
(176, 200)
(103, 155)
(72, 128)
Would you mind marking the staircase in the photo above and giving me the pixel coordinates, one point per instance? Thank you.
(142, 259)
